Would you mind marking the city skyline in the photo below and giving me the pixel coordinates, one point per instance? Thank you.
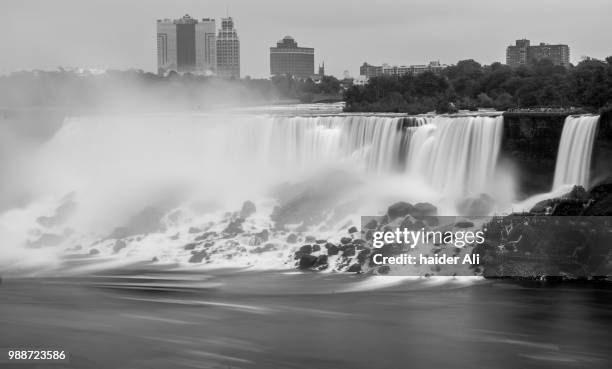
(393, 33)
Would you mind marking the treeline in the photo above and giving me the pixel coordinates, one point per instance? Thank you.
(138, 90)
(469, 85)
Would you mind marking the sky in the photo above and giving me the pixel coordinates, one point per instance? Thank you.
(121, 34)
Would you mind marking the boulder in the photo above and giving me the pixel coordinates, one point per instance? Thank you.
(424, 209)
(119, 244)
(353, 229)
(346, 240)
(190, 246)
(234, 227)
(307, 261)
(197, 256)
(372, 224)
(355, 268)
(306, 249)
(248, 209)
(331, 249)
(399, 209)
(292, 238)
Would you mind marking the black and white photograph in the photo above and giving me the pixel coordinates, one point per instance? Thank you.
(282, 184)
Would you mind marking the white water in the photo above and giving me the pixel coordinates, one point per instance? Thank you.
(197, 167)
(575, 151)
(457, 155)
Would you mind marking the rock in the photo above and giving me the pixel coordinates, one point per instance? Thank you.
(353, 229)
(197, 256)
(234, 227)
(424, 209)
(331, 249)
(310, 239)
(372, 224)
(348, 250)
(119, 244)
(464, 224)
(292, 238)
(321, 242)
(399, 209)
(248, 209)
(190, 246)
(346, 240)
(316, 248)
(321, 260)
(306, 249)
(383, 269)
(206, 235)
(363, 255)
(94, 252)
(307, 261)
(355, 268)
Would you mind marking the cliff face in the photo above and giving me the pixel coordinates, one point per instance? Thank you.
(530, 145)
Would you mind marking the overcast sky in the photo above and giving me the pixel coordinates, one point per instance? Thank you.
(45, 34)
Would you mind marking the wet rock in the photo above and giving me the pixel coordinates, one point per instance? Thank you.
(310, 239)
(316, 248)
(119, 245)
(372, 224)
(321, 260)
(190, 246)
(307, 261)
(94, 252)
(353, 229)
(348, 250)
(383, 269)
(248, 209)
(355, 268)
(234, 227)
(306, 249)
(206, 236)
(331, 249)
(346, 240)
(197, 256)
(399, 209)
(362, 257)
(321, 242)
(292, 238)
(424, 209)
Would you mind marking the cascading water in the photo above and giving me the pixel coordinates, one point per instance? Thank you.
(114, 168)
(575, 150)
(457, 155)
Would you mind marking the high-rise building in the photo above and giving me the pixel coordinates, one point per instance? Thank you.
(523, 53)
(186, 45)
(228, 50)
(287, 58)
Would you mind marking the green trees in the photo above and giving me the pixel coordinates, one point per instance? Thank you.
(468, 85)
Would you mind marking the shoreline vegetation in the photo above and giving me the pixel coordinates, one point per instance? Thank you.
(468, 85)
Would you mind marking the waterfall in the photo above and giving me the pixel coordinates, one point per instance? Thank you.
(457, 155)
(575, 150)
